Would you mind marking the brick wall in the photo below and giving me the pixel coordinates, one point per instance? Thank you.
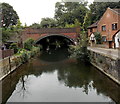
(108, 19)
(93, 30)
(37, 33)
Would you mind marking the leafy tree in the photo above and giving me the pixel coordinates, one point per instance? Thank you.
(9, 15)
(98, 37)
(98, 9)
(14, 46)
(6, 34)
(68, 12)
(87, 21)
(35, 25)
(25, 25)
(8, 21)
(76, 24)
(29, 44)
(80, 50)
(48, 23)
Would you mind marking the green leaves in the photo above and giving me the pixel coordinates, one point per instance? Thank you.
(28, 45)
(98, 9)
(14, 46)
(48, 23)
(9, 15)
(80, 50)
(98, 38)
(67, 13)
(6, 34)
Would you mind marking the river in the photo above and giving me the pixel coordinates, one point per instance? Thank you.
(55, 77)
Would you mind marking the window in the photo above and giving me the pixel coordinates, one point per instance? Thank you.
(104, 39)
(104, 28)
(114, 26)
(118, 40)
(91, 30)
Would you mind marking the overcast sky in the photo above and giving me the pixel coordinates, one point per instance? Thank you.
(31, 11)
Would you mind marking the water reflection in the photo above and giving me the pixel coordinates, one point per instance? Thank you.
(45, 80)
(54, 55)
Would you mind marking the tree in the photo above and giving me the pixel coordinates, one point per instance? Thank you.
(76, 24)
(28, 45)
(9, 15)
(6, 33)
(98, 9)
(98, 37)
(68, 12)
(87, 21)
(35, 25)
(48, 23)
(18, 29)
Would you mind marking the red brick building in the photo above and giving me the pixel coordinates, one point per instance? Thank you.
(108, 26)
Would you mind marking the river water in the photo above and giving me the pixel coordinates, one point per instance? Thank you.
(55, 77)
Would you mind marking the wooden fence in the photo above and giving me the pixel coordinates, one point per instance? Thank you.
(6, 53)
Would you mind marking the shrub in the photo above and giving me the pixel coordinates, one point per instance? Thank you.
(29, 44)
(14, 46)
(98, 38)
(80, 50)
(25, 57)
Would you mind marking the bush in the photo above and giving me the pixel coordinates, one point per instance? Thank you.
(80, 50)
(98, 38)
(14, 46)
(29, 44)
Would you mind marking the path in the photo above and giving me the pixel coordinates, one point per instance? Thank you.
(114, 53)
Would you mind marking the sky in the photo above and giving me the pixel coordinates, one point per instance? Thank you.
(32, 11)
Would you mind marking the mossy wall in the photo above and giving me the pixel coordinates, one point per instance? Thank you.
(108, 65)
(9, 64)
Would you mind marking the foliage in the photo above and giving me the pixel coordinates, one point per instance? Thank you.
(87, 21)
(6, 34)
(68, 12)
(25, 57)
(80, 50)
(98, 37)
(76, 24)
(14, 46)
(35, 25)
(98, 8)
(9, 15)
(48, 23)
(29, 44)
(25, 54)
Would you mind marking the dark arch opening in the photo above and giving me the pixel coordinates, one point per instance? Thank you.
(55, 41)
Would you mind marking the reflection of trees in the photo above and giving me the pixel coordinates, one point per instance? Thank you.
(74, 77)
(87, 77)
(77, 75)
(23, 86)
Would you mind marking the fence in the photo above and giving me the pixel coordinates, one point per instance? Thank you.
(6, 53)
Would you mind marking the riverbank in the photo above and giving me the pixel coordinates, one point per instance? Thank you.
(107, 61)
(11, 63)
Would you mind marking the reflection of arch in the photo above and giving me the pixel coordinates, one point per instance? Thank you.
(52, 35)
(116, 39)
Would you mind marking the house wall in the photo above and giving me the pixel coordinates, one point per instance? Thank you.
(117, 37)
(108, 19)
(94, 29)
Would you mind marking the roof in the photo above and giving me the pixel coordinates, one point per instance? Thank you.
(117, 32)
(93, 25)
(116, 10)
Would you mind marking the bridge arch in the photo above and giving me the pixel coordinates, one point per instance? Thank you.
(53, 35)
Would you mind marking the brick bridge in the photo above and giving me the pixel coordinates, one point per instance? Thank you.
(39, 34)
